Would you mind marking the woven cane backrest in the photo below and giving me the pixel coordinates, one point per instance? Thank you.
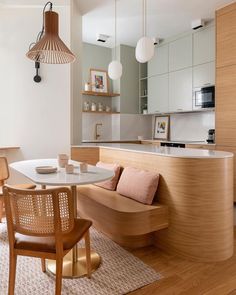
(4, 172)
(40, 212)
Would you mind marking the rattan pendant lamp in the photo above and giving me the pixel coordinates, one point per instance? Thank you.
(49, 48)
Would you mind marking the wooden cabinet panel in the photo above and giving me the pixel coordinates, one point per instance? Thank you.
(204, 75)
(158, 94)
(226, 106)
(180, 90)
(159, 64)
(226, 36)
(204, 46)
(180, 53)
(231, 150)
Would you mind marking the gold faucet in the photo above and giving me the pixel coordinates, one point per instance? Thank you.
(96, 135)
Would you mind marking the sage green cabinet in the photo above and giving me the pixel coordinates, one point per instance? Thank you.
(204, 75)
(158, 94)
(204, 46)
(180, 53)
(159, 63)
(180, 90)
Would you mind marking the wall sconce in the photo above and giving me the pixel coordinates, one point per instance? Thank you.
(49, 48)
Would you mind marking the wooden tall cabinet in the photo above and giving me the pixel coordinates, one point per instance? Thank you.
(226, 81)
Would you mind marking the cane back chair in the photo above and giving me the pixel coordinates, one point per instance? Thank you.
(41, 224)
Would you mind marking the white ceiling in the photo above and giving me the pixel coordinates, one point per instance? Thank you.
(166, 18)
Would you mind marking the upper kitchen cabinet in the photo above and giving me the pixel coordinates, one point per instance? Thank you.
(159, 63)
(180, 53)
(180, 91)
(204, 46)
(158, 94)
(204, 75)
(226, 36)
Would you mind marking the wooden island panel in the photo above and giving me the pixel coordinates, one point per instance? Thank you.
(199, 196)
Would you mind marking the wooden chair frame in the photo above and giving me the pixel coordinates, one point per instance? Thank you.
(58, 234)
(4, 175)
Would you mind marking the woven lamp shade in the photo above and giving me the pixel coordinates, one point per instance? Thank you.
(51, 49)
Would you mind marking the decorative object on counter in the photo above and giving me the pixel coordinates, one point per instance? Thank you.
(99, 80)
(115, 67)
(145, 47)
(83, 167)
(100, 107)
(108, 108)
(86, 106)
(161, 127)
(145, 110)
(69, 168)
(49, 48)
(87, 87)
(93, 107)
(140, 137)
(62, 160)
(211, 136)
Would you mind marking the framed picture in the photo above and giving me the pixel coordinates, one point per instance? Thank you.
(99, 80)
(161, 127)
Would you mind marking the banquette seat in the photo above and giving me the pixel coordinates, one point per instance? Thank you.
(126, 221)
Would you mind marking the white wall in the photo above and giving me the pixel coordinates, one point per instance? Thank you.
(34, 116)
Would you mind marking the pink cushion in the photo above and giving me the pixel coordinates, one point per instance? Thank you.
(111, 183)
(139, 185)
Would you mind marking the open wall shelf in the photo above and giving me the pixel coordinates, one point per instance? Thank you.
(104, 94)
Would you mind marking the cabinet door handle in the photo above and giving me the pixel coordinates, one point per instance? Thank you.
(179, 109)
(157, 111)
(207, 84)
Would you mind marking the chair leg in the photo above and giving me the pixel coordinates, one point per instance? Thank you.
(1, 210)
(88, 253)
(59, 263)
(43, 264)
(12, 273)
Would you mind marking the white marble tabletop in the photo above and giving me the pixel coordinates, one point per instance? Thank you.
(60, 178)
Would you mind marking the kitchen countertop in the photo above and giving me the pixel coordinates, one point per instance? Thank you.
(3, 148)
(178, 141)
(162, 151)
(109, 141)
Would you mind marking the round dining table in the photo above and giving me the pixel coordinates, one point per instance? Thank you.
(74, 263)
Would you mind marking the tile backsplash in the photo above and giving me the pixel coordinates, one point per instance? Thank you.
(191, 126)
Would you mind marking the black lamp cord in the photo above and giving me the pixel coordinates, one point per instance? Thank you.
(39, 36)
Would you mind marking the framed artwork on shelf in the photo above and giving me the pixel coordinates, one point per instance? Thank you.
(99, 80)
(161, 127)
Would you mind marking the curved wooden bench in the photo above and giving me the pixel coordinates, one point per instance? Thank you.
(127, 222)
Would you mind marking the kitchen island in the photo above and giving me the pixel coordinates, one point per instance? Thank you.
(197, 187)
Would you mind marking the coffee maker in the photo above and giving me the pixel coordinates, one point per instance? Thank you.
(211, 136)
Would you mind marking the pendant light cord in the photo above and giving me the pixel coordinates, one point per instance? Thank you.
(115, 29)
(40, 34)
(144, 18)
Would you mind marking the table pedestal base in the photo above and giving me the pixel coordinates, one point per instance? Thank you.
(75, 269)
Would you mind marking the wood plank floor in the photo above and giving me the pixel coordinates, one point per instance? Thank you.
(186, 277)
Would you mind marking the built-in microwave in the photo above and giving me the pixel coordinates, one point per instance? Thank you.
(204, 97)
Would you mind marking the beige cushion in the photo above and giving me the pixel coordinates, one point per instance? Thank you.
(111, 183)
(140, 185)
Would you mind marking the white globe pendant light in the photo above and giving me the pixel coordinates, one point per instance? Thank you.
(115, 67)
(144, 50)
(115, 70)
